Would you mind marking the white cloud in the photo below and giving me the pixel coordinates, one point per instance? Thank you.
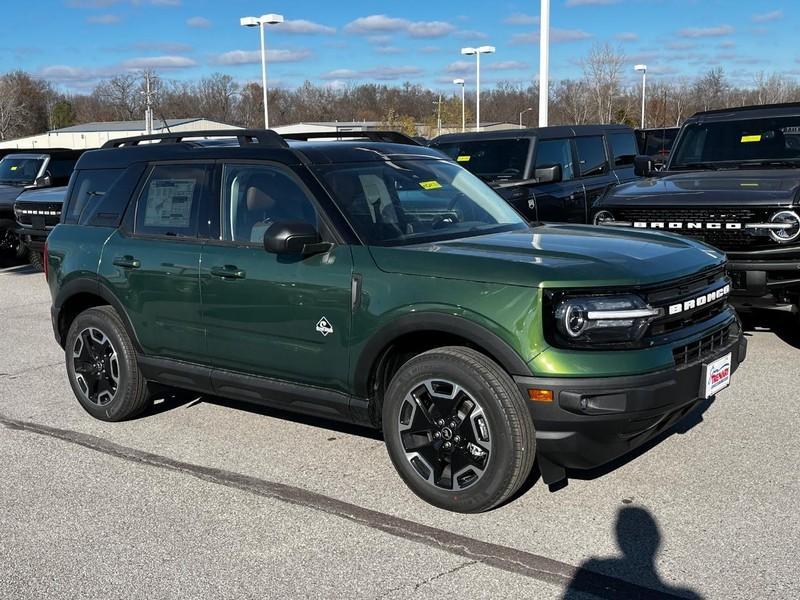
(246, 57)
(768, 16)
(389, 50)
(104, 19)
(471, 34)
(339, 74)
(521, 19)
(169, 47)
(699, 32)
(158, 62)
(627, 36)
(573, 3)
(198, 22)
(301, 26)
(557, 36)
(385, 24)
(376, 73)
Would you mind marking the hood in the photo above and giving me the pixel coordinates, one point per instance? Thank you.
(775, 187)
(9, 193)
(49, 195)
(555, 256)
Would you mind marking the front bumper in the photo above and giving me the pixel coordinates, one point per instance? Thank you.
(756, 275)
(33, 238)
(592, 421)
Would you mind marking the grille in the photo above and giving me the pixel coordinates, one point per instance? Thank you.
(46, 214)
(737, 239)
(704, 348)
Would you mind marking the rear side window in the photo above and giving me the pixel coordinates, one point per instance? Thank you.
(490, 160)
(623, 145)
(591, 156)
(90, 186)
(170, 201)
(556, 152)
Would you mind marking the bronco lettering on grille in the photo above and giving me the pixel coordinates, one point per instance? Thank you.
(688, 225)
(699, 301)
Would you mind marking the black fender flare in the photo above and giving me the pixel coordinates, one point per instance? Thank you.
(93, 286)
(500, 350)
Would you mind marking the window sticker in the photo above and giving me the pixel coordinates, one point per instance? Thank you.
(430, 185)
(751, 138)
(14, 167)
(169, 203)
(463, 158)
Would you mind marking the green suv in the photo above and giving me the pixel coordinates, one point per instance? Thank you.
(375, 281)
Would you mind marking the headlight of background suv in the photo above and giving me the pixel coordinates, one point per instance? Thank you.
(601, 320)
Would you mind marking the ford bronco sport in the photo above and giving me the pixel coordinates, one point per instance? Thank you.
(733, 181)
(377, 282)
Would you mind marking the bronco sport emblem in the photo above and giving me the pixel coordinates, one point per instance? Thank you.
(324, 327)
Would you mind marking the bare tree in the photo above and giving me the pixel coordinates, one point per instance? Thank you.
(121, 95)
(12, 111)
(602, 71)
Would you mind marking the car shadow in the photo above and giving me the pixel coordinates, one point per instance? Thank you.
(785, 325)
(639, 538)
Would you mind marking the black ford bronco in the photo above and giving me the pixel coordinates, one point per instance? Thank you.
(549, 174)
(37, 211)
(733, 181)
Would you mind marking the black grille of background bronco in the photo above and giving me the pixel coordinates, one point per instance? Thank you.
(45, 214)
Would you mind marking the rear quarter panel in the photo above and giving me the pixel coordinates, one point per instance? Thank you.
(73, 255)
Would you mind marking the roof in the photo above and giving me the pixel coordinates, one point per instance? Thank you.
(749, 112)
(124, 125)
(558, 131)
(44, 153)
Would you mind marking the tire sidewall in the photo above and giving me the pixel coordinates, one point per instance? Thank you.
(482, 493)
(113, 331)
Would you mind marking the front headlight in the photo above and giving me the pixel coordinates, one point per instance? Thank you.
(602, 319)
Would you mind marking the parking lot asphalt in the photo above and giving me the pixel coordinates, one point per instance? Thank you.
(206, 497)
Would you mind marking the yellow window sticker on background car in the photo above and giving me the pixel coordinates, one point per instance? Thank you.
(751, 138)
(14, 167)
(463, 158)
(430, 185)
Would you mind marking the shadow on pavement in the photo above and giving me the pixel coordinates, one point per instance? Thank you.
(638, 538)
(785, 325)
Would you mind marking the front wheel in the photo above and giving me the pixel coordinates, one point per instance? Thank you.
(458, 430)
(102, 366)
(36, 260)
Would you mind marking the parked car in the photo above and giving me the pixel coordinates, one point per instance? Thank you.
(37, 211)
(733, 181)
(20, 171)
(549, 174)
(382, 284)
(656, 143)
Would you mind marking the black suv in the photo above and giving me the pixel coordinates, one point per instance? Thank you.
(733, 181)
(549, 174)
(22, 170)
(37, 211)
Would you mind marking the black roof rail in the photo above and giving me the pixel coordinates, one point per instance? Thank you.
(393, 137)
(246, 137)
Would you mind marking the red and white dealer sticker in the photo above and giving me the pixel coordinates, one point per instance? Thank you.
(717, 375)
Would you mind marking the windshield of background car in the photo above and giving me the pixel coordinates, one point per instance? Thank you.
(768, 139)
(399, 202)
(491, 160)
(17, 171)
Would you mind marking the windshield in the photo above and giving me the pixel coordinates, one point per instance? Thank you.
(406, 202)
(18, 171)
(658, 142)
(771, 141)
(491, 160)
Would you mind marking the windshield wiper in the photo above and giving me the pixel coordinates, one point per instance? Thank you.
(778, 162)
(697, 165)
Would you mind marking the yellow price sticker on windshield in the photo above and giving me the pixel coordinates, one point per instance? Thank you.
(430, 185)
(751, 138)
(14, 168)
(463, 158)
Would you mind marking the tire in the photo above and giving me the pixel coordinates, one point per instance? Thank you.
(9, 240)
(36, 259)
(104, 341)
(493, 443)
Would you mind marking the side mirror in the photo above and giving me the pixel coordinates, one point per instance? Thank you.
(551, 174)
(294, 237)
(43, 181)
(642, 166)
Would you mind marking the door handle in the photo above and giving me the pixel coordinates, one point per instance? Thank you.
(228, 272)
(126, 262)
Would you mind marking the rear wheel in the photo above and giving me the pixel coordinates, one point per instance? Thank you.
(457, 429)
(102, 367)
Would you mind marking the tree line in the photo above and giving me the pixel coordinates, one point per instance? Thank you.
(29, 105)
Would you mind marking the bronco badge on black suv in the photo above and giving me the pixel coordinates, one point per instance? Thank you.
(733, 181)
(375, 281)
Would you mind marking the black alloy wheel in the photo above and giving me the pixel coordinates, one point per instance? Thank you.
(96, 365)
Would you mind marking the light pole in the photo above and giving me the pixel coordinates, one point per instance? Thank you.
(270, 19)
(544, 62)
(643, 70)
(477, 52)
(520, 116)
(463, 110)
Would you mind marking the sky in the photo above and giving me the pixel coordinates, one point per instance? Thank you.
(75, 43)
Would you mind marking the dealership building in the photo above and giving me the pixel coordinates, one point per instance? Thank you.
(94, 135)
